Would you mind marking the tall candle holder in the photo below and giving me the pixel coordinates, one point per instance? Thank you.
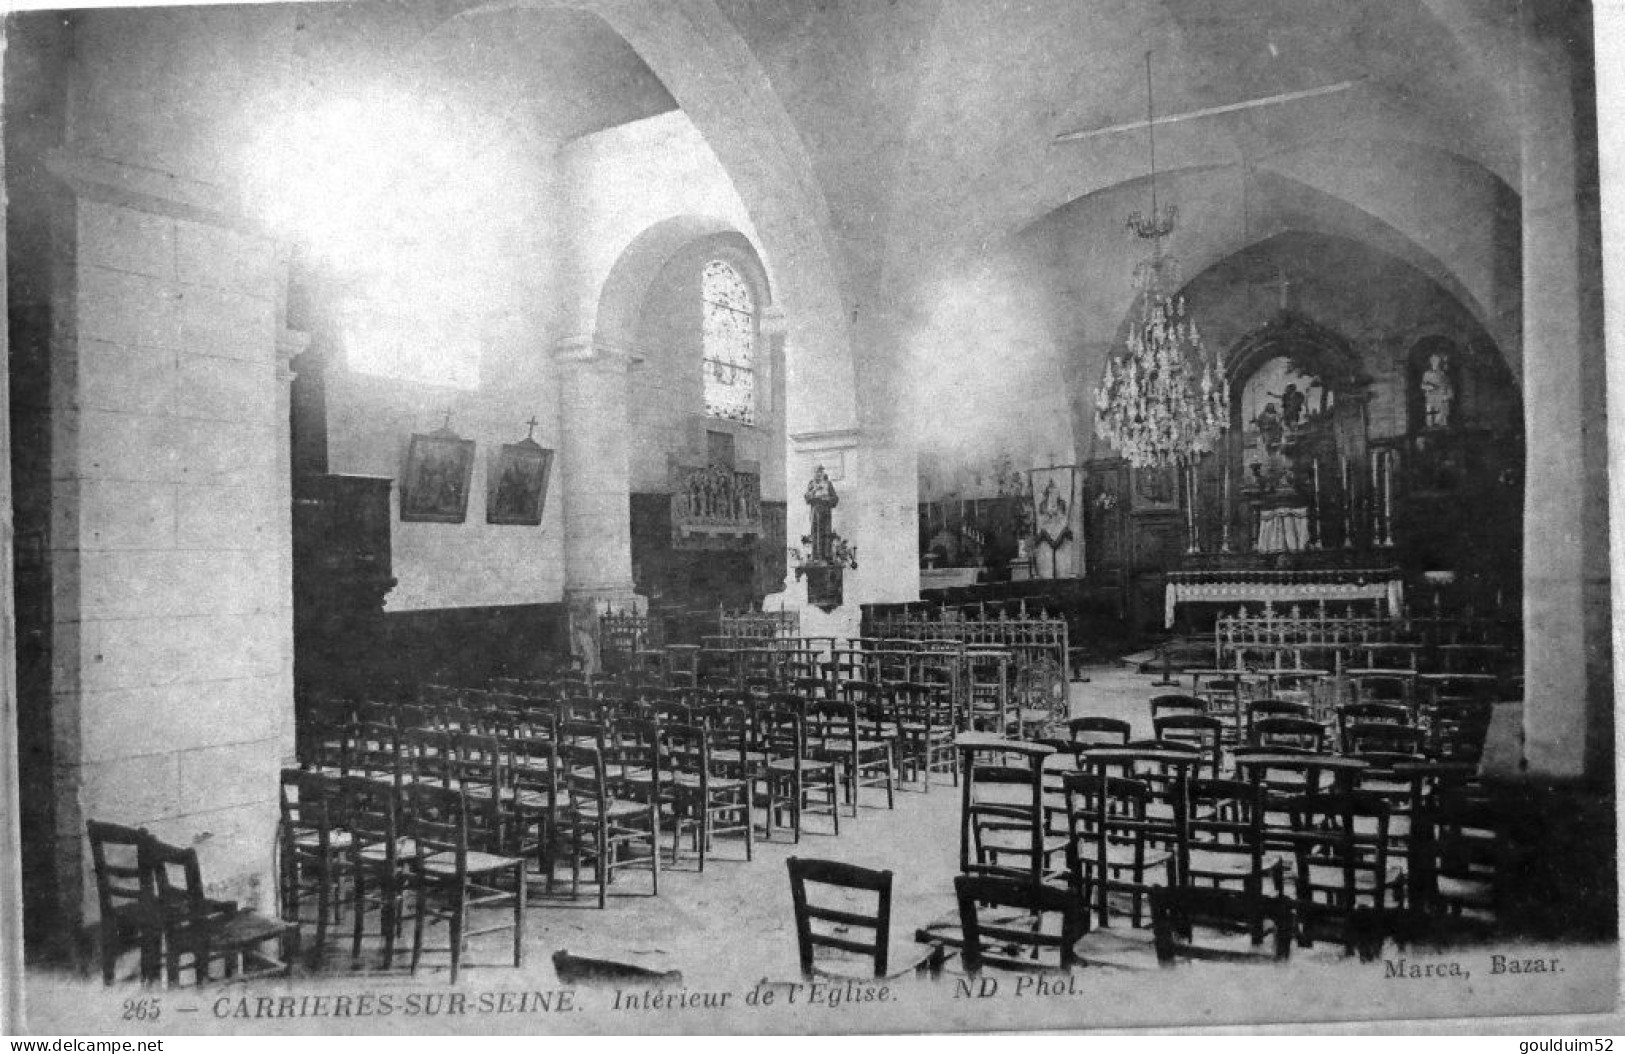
(1314, 541)
(1387, 461)
(1190, 509)
(1374, 458)
(1348, 508)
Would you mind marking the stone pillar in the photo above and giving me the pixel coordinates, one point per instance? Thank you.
(290, 344)
(170, 545)
(12, 1006)
(595, 483)
(1568, 666)
(889, 520)
(773, 330)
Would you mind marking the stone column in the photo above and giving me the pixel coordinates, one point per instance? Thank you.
(773, 330)
(290, 344)
(170, 546)
(1568, 665)
(595, 481)
(889, 520)
(11, 879)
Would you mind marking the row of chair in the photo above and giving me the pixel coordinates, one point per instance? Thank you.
(1145, 816)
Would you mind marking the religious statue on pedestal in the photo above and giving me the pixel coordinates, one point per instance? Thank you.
(822, 498)
(827, 554)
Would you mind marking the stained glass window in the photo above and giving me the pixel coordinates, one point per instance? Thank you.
(728, 341)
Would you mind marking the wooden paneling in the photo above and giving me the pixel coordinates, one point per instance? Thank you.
(471, 645)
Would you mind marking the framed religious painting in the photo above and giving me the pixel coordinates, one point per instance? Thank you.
(434, 486)
(516, 484)
(1154, 489)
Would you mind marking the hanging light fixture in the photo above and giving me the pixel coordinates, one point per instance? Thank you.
(1165, 402)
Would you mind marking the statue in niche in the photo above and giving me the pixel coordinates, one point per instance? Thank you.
(822, 498)
(1438, 394)
(1291, 406)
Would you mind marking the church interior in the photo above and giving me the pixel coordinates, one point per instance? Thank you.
(526, 471)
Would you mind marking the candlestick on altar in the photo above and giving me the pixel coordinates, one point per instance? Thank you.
(1388, 499)
(1190, 507)
(1348, 508)
(1376, 527)
(1314, 542)
(1224, 543)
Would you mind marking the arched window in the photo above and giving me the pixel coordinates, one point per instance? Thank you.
(728, 343)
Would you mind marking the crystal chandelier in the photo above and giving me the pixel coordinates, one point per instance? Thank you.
(1166, 401)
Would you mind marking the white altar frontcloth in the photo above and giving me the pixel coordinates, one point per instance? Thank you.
(1283, 530)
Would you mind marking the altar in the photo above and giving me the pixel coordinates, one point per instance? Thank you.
(1259, 586)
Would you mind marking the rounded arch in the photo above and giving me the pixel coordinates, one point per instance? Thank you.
(620, 300)
(1315, 348)
(719, 84)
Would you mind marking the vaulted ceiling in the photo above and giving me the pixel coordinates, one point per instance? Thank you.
(924, 132)
(883, 147)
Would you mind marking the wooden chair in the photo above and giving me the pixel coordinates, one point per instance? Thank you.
(733, 740)
(864, 762)
(1394, 689)
(199, 931)
(1381, 738)
(128, 919)
(1201, 730)
(1112, 845)
(926, 729)
(377, 863)
(376, 754)
(1455, 850)
(1263, 709)
(601, 823)
(1023, 936)
(637, 762)
(799, 779)
(706, 800)
(1219, 925)
(1099, 731)
(1457, 728)
(682, 664)
(1295, 732)
(1222, 841)
(1002, 807)
(1344, 880)
(536, 796)
(845, 898)
(482, 769)
(456, 860)
(1368, 713)
(1225, 692)
(314, 848)
(1163, 705)
(988, 681)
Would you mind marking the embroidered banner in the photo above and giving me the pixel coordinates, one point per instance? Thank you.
(1057, 523)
